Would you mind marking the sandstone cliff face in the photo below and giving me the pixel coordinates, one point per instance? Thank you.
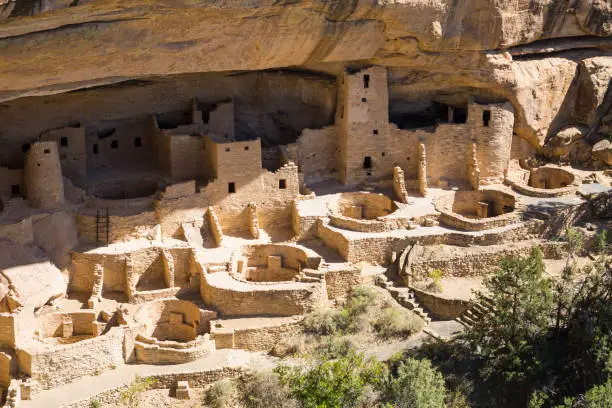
(541, 55)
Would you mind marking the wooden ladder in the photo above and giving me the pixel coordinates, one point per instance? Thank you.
(102, 227)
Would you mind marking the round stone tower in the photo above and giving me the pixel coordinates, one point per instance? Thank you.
(44, 183)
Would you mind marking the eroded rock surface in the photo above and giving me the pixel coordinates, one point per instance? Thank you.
(528, 52)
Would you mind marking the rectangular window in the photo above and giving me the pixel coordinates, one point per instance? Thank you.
(47, 151)
(366, 81)
(375, 132)
(486, 117)
(231, 188)
(459, 115)
(15, 190)
(138, 142)
(64, 141)
(95, 148)
(282, 184)
(367, 162)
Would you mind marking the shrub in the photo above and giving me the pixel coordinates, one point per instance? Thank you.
(130, 395)
(322, 322)
(221, 394)
(599, 396)
(394, 322)
(335, 347)
(436, 281)
(416, 385)
(345, 382)
(94, 403)
(290, 346)
(264, 390)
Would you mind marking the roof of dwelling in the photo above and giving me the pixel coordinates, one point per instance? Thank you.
(27, 275)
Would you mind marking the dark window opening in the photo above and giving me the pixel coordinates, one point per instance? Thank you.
(459, 115)
(64, 141)
(15, 190)
(103, 134)
(227, 149)
(282, 184)
(25, 147)
(95, 148)
(383, 154)
(231, 188)
(367, 162)
(363, 99)
(47, 151)
(115, 144)
(171, 120)
(246, 147)
(138, 142)
(375, 132)
(366, 81)
(486, 117)
(369, 173)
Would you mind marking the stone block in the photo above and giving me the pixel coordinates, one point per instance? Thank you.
(182, 390)
(224, 337)
(67, 328)
(482, 209)
(356, 211)
(275, 263)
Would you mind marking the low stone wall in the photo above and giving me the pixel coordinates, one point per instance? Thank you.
(452, 207)
(154, 351)
(460, 222)
(378, 249)
(472, 261)
(234, 298)
(439, 306)
(50, 324)
(294, 256)
(196, 379)
(53, 365)
(264, 338)
(371, 205)
(333, 239)
(542, 192)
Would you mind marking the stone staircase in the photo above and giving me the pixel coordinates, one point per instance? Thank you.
(404, 296)
(310, 276)
(475, 312)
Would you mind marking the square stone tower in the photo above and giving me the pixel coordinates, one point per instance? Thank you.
(363, 117)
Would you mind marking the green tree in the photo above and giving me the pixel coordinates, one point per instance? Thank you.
(600, 396)
(510, 337)
(416, 385)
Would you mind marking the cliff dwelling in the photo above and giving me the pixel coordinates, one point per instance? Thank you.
(193, 202)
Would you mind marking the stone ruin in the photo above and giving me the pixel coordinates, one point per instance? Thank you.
(154, 213)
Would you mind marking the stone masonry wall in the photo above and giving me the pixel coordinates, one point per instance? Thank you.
(264, 338)
(59, 365)
(71, 145)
